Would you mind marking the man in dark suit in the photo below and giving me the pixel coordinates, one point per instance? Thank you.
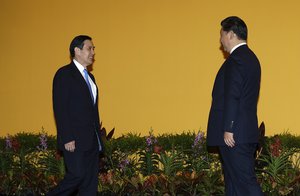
(75, 104)
(233, 124)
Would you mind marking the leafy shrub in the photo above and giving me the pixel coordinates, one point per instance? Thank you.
(167, 164)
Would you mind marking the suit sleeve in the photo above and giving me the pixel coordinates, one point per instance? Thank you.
(61, 94)
(233, 82)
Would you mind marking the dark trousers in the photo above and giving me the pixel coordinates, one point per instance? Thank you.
(81, 173)
(239, 170)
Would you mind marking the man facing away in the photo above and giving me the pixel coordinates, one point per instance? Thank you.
(233, 124)
(75, 104)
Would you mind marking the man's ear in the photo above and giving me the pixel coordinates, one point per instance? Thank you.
(232, 34)
(76, 50)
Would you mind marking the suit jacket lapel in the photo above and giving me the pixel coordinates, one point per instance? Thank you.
(78, 76)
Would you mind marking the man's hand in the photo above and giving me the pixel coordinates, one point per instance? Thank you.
(228, 138)
(70, 146)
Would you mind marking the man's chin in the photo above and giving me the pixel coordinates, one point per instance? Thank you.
(91, 62)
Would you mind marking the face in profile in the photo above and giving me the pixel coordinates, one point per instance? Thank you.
(224, 39)
(85, 56)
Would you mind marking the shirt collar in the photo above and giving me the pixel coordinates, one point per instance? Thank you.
(235, 47)
(79, 66)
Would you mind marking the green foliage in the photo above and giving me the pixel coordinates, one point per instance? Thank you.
(52, 165)
(289, 141)
(148, 162)
(24, 176)
(6, 171)
(279, 171)
(111, 183)
(22, 168)
(177, 141)
(169, 164)
(172, 163)
(130, 143)
(212, 184)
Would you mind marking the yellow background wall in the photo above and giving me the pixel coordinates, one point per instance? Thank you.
(155, 60)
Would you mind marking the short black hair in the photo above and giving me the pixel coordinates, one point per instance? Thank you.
(78, 42)
(237, 25)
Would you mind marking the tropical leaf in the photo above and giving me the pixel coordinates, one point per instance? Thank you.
(171, 163)
(148, 162)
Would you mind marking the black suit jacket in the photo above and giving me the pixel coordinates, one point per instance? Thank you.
(234, 99)
(77, 117)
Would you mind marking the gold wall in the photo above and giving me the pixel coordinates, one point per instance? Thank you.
(155, 60)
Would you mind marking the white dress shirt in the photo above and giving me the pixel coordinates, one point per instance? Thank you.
(93, 85)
